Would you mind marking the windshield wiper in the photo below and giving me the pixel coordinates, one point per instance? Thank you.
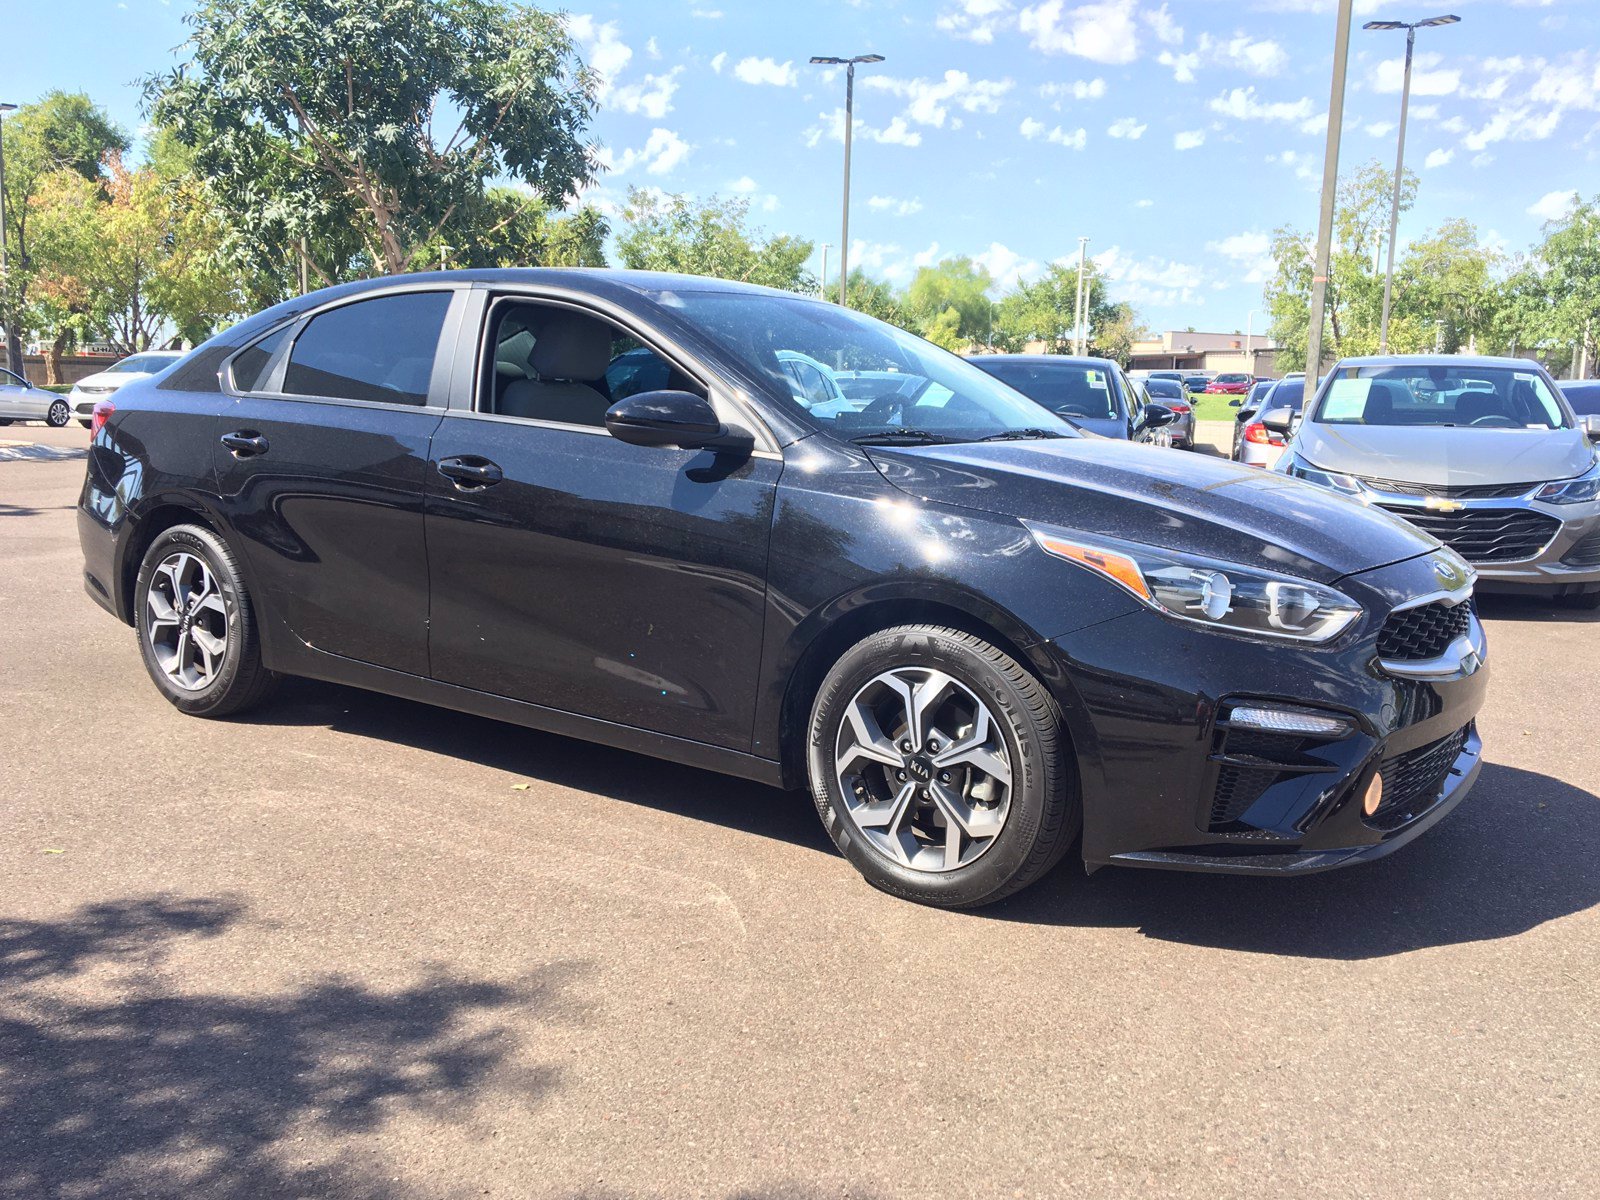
(899, 437)
(1022, 435)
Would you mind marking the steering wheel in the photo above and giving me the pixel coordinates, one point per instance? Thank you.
(1498, 420)
(884, 408)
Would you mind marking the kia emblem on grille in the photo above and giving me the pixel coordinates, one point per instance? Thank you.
(1449, 574)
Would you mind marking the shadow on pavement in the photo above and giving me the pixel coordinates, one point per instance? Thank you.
(155, 1090)
(568, 762)
(1518, 852)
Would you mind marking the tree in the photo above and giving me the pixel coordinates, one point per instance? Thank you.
(1045, 310)
(1569, 270)
(1447, 282)
(327, 107)
(950, 303)
(61, 132)
(514, 228)
(709, 237)
(1355, 282)
(876, 298)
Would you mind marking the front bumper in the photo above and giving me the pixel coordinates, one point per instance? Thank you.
(1164, 783)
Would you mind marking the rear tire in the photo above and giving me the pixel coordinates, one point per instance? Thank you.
(983, 805)
(196, 625)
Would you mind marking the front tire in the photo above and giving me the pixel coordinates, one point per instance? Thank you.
(939, 767)
(58, 415)
(196, 625)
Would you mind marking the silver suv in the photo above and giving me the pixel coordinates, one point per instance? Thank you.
(1483, 453)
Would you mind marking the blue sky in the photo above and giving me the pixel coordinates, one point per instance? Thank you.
(1176, 136)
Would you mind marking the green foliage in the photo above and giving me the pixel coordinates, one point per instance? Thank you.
(1046, 311)
(513, 228)
(877, 299)
(316, 120)
(709, 237)
(950, 303)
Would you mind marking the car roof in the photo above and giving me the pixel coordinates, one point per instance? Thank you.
(1436, 360)
(1066, 359)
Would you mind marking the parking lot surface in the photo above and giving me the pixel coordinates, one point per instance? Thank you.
(352, 946)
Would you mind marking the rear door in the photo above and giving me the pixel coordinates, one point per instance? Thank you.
(321, 463)
(581, 573)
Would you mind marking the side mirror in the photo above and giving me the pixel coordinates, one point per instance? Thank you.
(1591, 427)
(1277, 419)
(1236, 402)
(671, 418)
(1154, 416)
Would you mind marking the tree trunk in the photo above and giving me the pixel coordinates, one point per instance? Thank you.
(52, 358)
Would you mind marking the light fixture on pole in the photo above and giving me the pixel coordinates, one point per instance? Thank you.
(13, 334)
(849, 64)
(1411, 28)
(1077, 318)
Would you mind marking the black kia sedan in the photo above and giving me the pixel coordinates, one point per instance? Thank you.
(972, 632)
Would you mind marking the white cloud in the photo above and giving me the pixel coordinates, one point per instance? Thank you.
(1553, 206)
(1182, 65)
(1127, 127)
(1078, 89)
(974, 20)
(1245, 53)
(716, 63)
(895, 206)
(1163, 25)
(1241, 104)
(706, 14)
(1249, 252)
(744, 185)
(766, 71)
(1075, 139)
(1438, 158)
(1006, 267)
(1154, 281)
(602, 49)
(1144, 203)
(652, 97)
(1189, 139)
(1389, 76)
(1106, 31)
(662, 151)
(928, 101)
(896, 133)
(650, 48)
(926, 258)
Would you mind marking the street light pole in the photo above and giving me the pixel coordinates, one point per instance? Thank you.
(1330, 183)
(1400, 154)
(822, 276)
(13, 334)
(849, 64)
(1077, 317)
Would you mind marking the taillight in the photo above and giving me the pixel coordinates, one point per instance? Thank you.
(97, 419)
(1180, 409)
(1257, 434)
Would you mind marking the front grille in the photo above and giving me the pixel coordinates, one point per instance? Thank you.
(1474, 491)
(1424, 632)
(1412, 781)
(1586, 553)
(1485, 535)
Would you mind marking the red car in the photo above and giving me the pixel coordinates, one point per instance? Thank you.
(1234, 384)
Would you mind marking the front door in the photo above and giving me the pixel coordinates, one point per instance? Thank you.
(322, 462)
(578, 572)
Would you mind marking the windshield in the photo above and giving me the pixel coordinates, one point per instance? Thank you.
(1440, 395)
(140, 363)
(1289, 393)
(1071, 390)
(1164, 387)
(940, 398)
(1233, 379)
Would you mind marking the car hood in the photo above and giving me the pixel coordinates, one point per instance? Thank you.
(1458, 457)
(111, 379)
(1167, 498)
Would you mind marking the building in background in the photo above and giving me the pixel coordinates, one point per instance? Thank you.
(1190, 350)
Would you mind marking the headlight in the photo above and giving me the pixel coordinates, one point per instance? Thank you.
(1299, 468)
(1219, 594)
(1584, 488)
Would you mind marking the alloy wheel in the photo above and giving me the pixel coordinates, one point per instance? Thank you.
(923, 768)
(186, 620)
(59, 414)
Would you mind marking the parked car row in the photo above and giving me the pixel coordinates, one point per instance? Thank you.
(617, 506)
(21, 401)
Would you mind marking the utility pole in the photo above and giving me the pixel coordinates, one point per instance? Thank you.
(1400, 154)
(1077, 321)
(822, 277)
(13, 334)
(849, 65)
(1330, 185)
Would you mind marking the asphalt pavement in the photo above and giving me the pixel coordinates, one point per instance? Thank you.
(351, 946)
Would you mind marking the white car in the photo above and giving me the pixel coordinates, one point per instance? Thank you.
(21, 401)
(91, 389)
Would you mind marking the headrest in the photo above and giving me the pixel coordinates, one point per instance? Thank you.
(572, 347)
(1380, 402)
(1473, 406)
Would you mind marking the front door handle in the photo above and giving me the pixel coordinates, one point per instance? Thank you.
(245, 444)
(470, 473)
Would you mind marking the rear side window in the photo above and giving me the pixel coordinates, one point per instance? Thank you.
(379, 350)
(248, 367)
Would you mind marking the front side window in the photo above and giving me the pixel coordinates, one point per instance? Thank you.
(941, 397)
(1441, 396)
(380, 350)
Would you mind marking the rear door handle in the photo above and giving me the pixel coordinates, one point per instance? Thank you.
(245, 444)
(470, 473)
